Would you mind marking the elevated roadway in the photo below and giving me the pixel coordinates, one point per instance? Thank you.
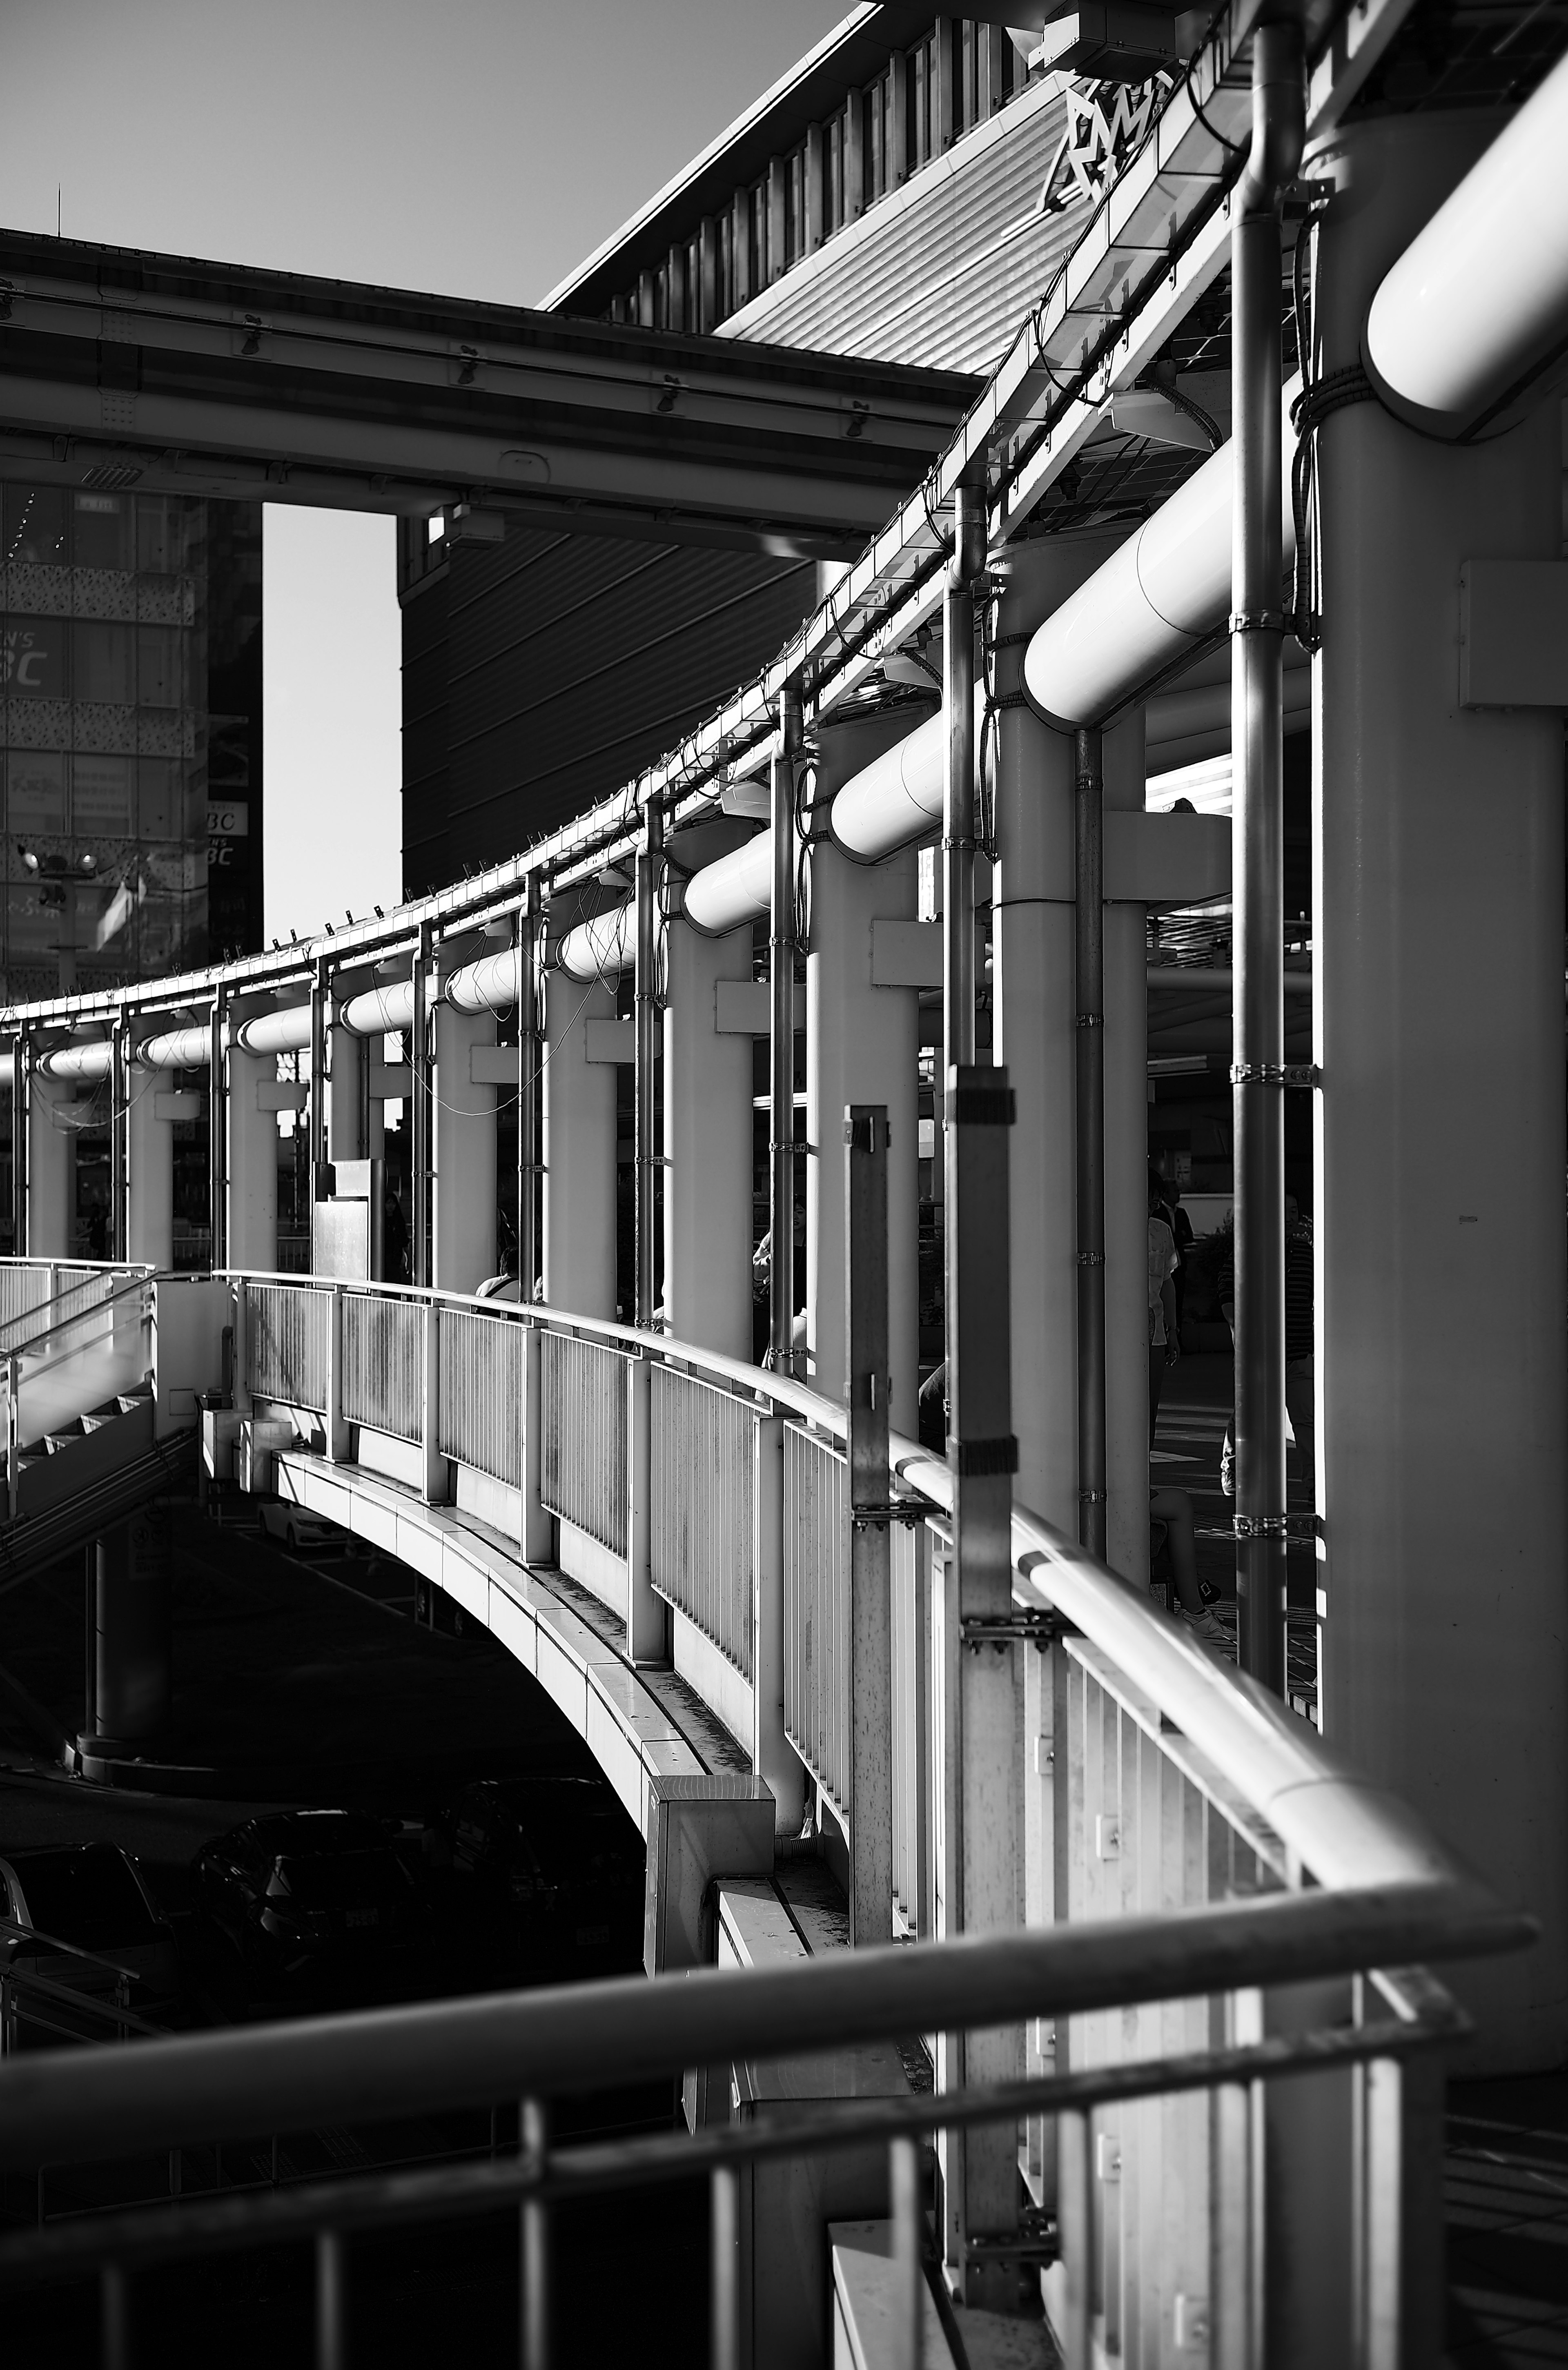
(120, 368)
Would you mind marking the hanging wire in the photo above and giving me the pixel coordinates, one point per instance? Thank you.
(1321, 397)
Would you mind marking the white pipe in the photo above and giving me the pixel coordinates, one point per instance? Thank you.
(897, 798)
(287, 1031)
(601, 948)
(177, 1049)
(1177, 718)
(489, 986)
(80, 1062)
(1477, 305)
(380, 1011)
(734, 890)
(1156, 598)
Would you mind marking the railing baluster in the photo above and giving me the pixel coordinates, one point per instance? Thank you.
(1075, 2225)
(724, 2225)
(533, 2142)
(114, 2318)
(908, 2235)
(330, 2301)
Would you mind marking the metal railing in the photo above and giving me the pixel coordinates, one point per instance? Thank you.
(816, 1610)
(288, 1343)
(480, 1419)
(81, 2108)
(1163, 1801)
(702, 1468)
(383, 1363)
(583, 1451)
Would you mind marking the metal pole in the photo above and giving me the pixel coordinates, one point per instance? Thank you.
(1257, 632)
(419, 1057)
(527, 1091)
(782, 1040)
(724, 2227)
(317, 1152)
(19, 1067)
(968, 561)
(865, 1391)
(217, 1136)
(982, 2165)
(1089, 868)
(533, 2142)
(119, 1130)
(329, 2353)
(649, 858)
(908, 2235)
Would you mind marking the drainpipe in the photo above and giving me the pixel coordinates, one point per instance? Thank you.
(1257, 631)
(528, 1090)
(1088, 889)
(968, 562)
(781, 1039)
(423, 1114)
(649, 856)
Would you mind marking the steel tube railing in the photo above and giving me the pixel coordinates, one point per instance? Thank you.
(465, 2053)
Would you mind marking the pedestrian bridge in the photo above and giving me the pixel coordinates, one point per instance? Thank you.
(1206, 2047)
(1025, 1951)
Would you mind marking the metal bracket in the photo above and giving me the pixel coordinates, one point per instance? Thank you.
(1256, 621)
(1021, 1627)
(1275, 1074)
(878, 1515)
(1276, 1526)
(1034, 2241)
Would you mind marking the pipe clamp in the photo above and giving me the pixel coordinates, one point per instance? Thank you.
(1256, 621)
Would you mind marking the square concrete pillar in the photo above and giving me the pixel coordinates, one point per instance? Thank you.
(464, 1197)
(707, 1146)
(579, 1151)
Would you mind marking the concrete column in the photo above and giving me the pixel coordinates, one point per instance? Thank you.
(1126, 1191)
(464, 1131)
(707, 1146)
(347, 1059)
(252, 1227)
(149, 1180)
(862, 1046)
(1034, 1032)
(50, 1171)
(1438, 867)
(580, 1152)
(132, 1622)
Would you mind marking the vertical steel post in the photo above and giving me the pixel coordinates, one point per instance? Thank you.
(1088, 888)
(650, 856)
(320, 987)
(908, 2234)
(533, 2142)
(781, 1039)
(982, 1456)
(967, 562)
(866, 1390)
(119, 1132)
(1257, 635)
(19, 1067)
(528, 1090)
(724, 2227)
(423, 1113)
(330, 2348)
(217, 1134)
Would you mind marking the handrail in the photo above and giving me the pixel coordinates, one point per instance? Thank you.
(1345, 1831)
(385, 2063)
(69, 1949)
(12, 1357)
(136, 1280)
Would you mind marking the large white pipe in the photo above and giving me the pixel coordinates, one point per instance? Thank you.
(601, 948)
(287, 1031)
(1165, 590)
(489, 986)
(177, 1049)
(897, 798)
(79, 1063)
(734, 890)
(380, 1010)
(1477, 305)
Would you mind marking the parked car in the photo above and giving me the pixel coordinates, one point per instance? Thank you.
(553, 1868)
(309, 1892)
(92, 1897)
(299, 1530)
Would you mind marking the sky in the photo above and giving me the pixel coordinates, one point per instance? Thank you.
(466, 147)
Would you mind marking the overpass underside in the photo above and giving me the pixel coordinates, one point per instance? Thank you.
(921, 865)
